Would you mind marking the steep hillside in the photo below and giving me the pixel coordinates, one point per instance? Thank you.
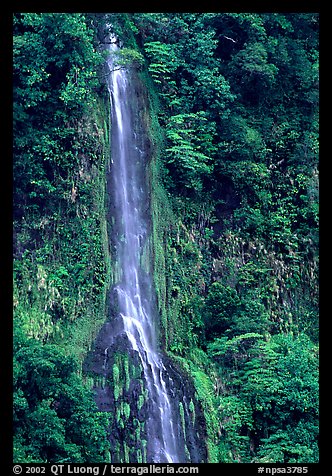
(231, 120)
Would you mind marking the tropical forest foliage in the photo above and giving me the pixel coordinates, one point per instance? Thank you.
(234, 206)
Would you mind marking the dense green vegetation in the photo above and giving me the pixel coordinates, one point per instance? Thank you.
(236, 98)
(61, 270)
(234, 203)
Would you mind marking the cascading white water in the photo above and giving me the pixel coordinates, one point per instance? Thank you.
(134, 301)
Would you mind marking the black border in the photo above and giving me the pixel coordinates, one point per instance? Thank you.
(6, 371)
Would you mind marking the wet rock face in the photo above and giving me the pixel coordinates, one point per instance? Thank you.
(121, 390)
(192, 428)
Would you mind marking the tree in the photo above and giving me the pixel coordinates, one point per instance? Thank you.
(253, 72)
(221, 306)
(188, 135)
(55, 74)
(55, 417)
(281, 383)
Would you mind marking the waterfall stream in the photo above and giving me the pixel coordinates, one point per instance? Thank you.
(154, 413)
(134, 287)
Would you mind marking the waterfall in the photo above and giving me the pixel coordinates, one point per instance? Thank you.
(134, 286)
(154, 413)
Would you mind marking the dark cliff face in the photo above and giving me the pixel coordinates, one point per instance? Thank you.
(193, 426)
(120, 389)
